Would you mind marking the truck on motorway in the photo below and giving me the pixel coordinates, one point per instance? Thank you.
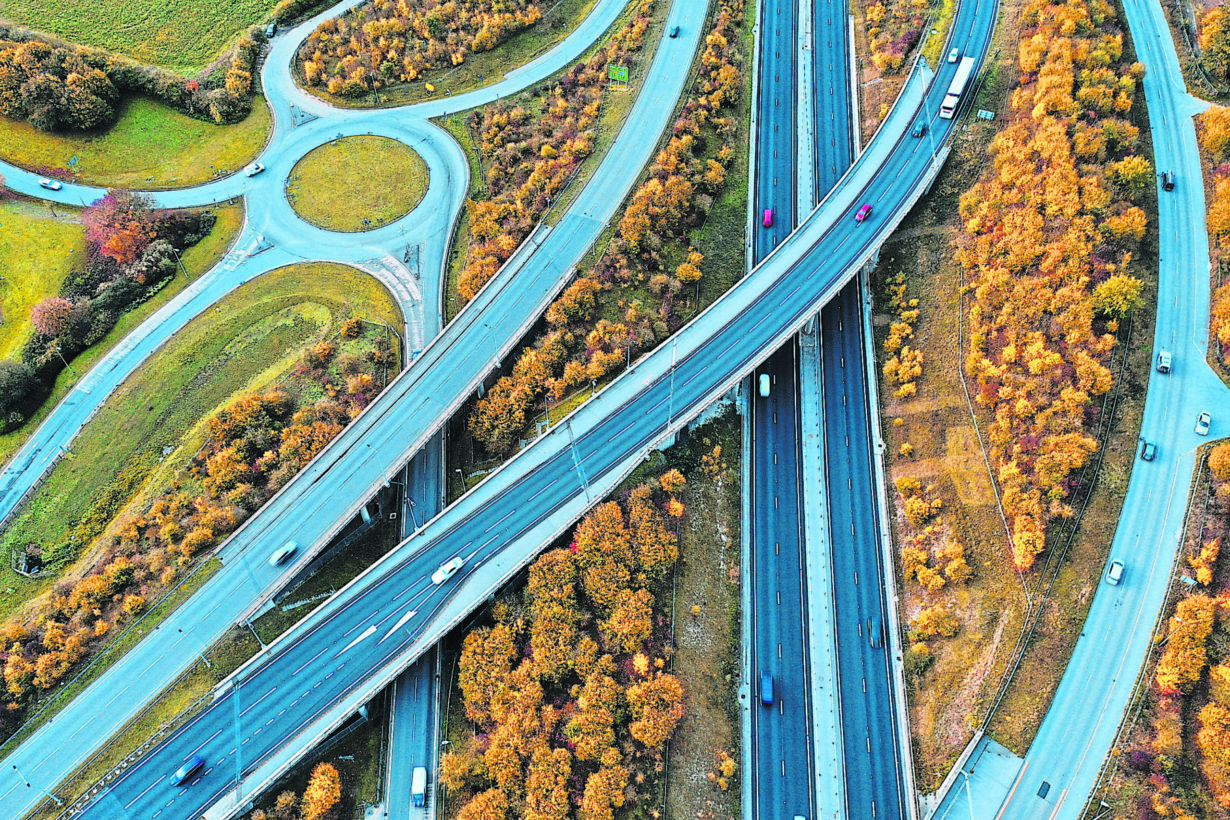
(418, 787)
(960, 80)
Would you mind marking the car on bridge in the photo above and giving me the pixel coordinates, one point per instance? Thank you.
(186, 772)
(766, 218)
(863, 212)
(447, 570)
(282, 553)
(919, 129)
(766, 688)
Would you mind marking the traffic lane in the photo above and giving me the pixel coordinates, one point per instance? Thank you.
(778, 559)
(861, 611)
(777, 106)
(831, 93)
(411, 733)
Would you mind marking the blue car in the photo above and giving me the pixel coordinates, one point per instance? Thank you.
(185, 772)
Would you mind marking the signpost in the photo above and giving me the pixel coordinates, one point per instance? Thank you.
(619, 75)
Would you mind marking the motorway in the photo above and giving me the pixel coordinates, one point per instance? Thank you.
(389, 615)
(781, 753)
(329, 492)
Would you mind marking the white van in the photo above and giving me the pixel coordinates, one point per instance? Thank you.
(418, 787)
(764, 385)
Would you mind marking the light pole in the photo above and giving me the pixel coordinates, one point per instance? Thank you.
(412, 520)
(461, 477)
(56, 348)
(548, 412)
(25, 780)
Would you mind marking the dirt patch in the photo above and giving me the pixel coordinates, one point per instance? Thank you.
(707, 649)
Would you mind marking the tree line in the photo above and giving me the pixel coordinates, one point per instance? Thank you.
(384, 42)
(140, 549)
(531, 148)
(1051, 234)
(131, 252)
(627, 302)
(566, 691)
(1180, 758)
(72, 88)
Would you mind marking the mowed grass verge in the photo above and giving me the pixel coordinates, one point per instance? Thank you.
(357, 183)
(197, 260)
(37, 252)
(150, 147)
(249, 340)
(182, 35)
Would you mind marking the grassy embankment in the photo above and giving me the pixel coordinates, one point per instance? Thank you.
(55, 260)
(951, 698)
(253, 336)
(357, 183)
(182, 35)
(149, 147)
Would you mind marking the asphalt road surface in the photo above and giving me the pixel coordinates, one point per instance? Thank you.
(378, 620)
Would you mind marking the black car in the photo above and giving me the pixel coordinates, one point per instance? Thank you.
(920, 128)
(674, 32)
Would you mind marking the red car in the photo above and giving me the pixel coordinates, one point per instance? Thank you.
(863, 213)
(767, 218)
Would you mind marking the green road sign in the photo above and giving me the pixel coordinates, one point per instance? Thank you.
(617, 72)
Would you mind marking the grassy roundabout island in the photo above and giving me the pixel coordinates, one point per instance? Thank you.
(357, 183)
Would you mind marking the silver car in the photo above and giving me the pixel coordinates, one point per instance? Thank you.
(1202, 424)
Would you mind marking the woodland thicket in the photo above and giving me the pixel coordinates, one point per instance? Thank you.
(567, 691)
(1051, 232)
(626, 303)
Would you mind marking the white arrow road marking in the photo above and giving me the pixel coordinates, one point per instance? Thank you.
(410, 614)
(366, 634)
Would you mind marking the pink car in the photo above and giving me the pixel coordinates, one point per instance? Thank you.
(863, 213)
(767, 219)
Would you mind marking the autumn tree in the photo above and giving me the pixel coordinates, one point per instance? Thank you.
(323, 791)
(657, 708)
(1186, 653)
(486, 660)
(1214, 38)
(1119, 296)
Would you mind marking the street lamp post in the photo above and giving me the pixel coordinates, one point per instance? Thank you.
(26, 780)
(65, 361)
(412, 519)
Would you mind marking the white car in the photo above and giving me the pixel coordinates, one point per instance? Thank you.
(1202, 423)
(953, 55)
(1115, 574)
(254, 169)
(50, 184)
(447, 570)
(282, 553)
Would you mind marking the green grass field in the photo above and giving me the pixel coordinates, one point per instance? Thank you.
(37, 251)
(340, 184)
(151, 146)
(255, 336)
(182, 35)
(197, 259)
